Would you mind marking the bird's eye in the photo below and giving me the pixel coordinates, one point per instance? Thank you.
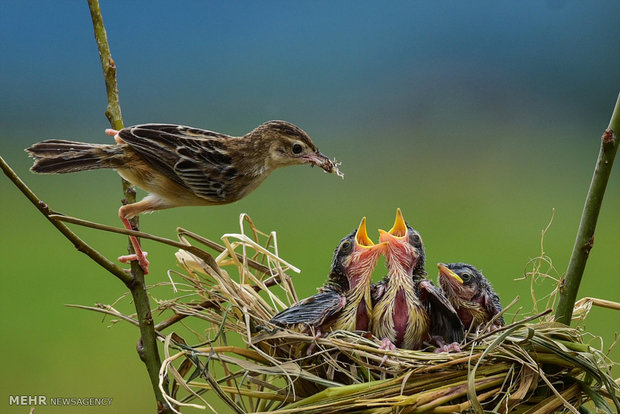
(416, 238)
(297, 148)
(345, 245)
(465, 277)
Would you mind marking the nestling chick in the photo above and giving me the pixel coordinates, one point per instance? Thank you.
(184, 166)
(344, 301)
(408, 310)
(471, 294)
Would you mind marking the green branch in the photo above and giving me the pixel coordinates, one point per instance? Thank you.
(147, 344)
(589, 216)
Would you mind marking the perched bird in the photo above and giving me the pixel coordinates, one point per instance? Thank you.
(408, 309)
(471, 294)
(183, 166)
(344, 301)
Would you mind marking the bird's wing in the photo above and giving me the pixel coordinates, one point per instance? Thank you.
(194, 158)
(492, 305)
(445, 322)
(312, 311)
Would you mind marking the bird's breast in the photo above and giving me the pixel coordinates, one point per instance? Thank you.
(400, 315)
(361, 317)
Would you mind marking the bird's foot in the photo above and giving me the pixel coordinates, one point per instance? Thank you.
(453, 347)
(139, 255)
(141, 258)
(386, 345)
(312, 345)
(114, 133)
(144, 263)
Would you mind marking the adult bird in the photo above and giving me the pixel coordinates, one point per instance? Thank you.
(471, 294)
(344, 301)
(183, 166)
(408, 309)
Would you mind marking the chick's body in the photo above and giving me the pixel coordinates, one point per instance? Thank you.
(471, 294)
(344, 301)
(407, 308)
(401, 317)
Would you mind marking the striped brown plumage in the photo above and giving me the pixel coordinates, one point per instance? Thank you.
(183, 166)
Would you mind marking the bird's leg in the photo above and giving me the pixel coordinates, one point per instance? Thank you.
(443, 346)
(311, 347)
(387, 345)
(139, 255)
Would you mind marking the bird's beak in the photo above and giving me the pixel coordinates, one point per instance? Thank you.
(398, 230)
(444, 271)
(362, 240)
(320, 160)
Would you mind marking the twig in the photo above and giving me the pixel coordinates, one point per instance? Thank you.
(108, 310)
(503, 328)
(147, 344)
(79, 244)
(589, 216)
(181, 245)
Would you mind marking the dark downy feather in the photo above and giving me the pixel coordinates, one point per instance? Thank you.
(445, 322)
(313, 311)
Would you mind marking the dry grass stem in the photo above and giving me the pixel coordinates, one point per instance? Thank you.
(533, 365)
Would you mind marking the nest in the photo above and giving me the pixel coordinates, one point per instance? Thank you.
(530, 366)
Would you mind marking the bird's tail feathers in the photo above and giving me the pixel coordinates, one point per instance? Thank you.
(57, 156)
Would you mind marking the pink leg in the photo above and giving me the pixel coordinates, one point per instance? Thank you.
(311, 347)
(140, 256)
(453, 347)
(387, 345)
(442, 346)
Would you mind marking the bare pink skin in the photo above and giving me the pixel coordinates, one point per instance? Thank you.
(387, 345)
(311, 347)
(442, 346)
(140, 256)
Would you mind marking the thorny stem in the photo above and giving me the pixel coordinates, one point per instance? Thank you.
(589, 216)
(147, 344)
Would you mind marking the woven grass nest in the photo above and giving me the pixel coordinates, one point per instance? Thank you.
(529, 366)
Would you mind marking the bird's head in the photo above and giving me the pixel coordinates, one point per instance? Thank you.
(405, 248)
(460, 280)
(356, 256)
(287, 144)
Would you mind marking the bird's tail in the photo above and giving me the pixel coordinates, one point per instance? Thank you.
(61, 156)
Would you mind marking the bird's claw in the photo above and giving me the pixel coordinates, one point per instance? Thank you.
(312, 345)
(141, 258)
(453, 347)
(386, 345)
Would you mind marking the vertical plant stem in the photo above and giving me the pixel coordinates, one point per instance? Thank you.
(589, 216)
(147, 344)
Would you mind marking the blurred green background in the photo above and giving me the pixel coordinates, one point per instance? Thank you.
(476, 120)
